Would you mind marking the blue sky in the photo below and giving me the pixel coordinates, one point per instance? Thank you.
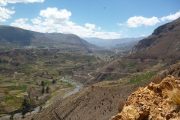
(90, 18)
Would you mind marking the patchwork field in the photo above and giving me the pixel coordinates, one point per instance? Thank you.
(36, 75)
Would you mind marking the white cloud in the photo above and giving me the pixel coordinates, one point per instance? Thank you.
(5, 2)
(138, 21)
(5, 14)
(58, 20)
(171, 17)
(55, 14)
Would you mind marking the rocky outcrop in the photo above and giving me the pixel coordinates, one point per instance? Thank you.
(154, 102)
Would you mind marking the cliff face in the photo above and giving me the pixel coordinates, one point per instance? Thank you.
(154, 102)
(163, 43)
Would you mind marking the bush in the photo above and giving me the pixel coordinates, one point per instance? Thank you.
(26, 106)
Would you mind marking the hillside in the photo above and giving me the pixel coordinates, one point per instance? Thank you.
(12, 37)
(93, 103)
(101, 100)
(163, 47)
(122, 67)
(105, 84)
(163, 43)
(15, 36)
(89, 60)
(24, 69)
(98, 100)
(156, 101)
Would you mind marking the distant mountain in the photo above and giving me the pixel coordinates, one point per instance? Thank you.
(163, 43)
(16, 37)
(112, 43)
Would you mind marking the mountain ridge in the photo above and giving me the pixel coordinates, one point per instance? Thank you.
(18, 37)
(163, 43)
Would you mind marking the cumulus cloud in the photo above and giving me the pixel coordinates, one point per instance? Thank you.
(138, 21)
(5, 2)
(171, 17)
(55, 14)
(5, 14)
(58, 20)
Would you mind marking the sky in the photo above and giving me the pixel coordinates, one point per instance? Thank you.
(106, 19)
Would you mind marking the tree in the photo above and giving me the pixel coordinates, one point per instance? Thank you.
(42, 83)
(47, 89)
(43, 90)
(53, 81)
(26, 106)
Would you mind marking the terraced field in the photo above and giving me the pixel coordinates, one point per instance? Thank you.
(36, 75)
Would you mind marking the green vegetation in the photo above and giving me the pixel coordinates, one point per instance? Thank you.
(47, 82)
(23, 70)
(131, 64)
(23, 88)
(68, 84)
(142, 77)
(12, 102)
(26, 106)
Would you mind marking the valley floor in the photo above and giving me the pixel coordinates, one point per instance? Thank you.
(70, 86)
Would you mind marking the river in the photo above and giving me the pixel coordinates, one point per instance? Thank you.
(77, 87)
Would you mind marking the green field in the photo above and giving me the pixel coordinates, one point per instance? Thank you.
(24, 72)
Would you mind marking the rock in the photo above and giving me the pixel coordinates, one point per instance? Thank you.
(7, 117)
(154, 102)
(17, 116)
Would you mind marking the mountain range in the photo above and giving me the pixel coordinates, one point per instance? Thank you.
(13, 37)
(113, 43)
(17, 38)
(110, 81)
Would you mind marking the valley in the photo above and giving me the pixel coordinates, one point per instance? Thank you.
(107, 92)
(35, 80)
(38, 74)
(57, 76)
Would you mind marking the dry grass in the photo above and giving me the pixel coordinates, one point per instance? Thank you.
(175, 96)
